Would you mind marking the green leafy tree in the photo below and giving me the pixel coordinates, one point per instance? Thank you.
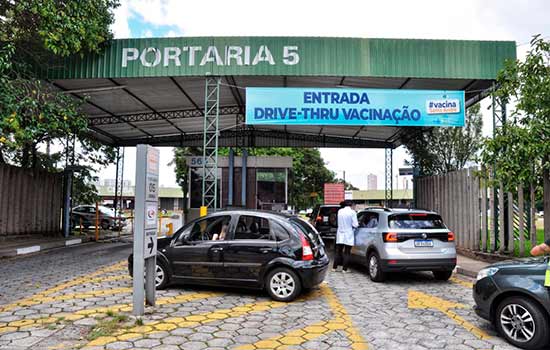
(442, 150)
(182, 170)
(347, 186)
(33, 34)
(520, 150)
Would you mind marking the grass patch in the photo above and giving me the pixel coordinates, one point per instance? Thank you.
(139, 322)
(108, 326)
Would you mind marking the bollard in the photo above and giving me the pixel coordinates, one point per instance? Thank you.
(170, 227)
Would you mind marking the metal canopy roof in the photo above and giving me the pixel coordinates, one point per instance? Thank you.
(152, 90)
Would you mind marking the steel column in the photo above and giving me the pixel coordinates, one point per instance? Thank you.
(389, 177)
(210, 143)
(230, 177)
(499, 121)
(244, 177)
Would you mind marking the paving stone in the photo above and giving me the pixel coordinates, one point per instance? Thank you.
(195, 345)
(119, 345)
(146, 343)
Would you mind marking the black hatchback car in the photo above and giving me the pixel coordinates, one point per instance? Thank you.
(244, 248)
(513, 297)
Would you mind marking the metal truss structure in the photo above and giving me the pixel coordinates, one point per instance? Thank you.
(210, 143)
(119, 181)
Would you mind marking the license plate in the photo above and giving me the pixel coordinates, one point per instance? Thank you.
(423, 243)
(325, 218)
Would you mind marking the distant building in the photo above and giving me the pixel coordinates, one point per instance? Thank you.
(375, 198)
(170, 198)
(372, 182)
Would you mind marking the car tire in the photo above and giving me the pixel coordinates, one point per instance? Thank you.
(283, 284)
(442, 275)
(161, 276)
(374, 268)
(525, 309)
(105, 225)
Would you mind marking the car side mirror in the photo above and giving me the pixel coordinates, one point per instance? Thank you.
(181, 240)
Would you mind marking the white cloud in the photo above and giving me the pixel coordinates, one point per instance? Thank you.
(147, 33)
(121, 28)
(172, 33)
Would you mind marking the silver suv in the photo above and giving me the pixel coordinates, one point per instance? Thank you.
(394, 240)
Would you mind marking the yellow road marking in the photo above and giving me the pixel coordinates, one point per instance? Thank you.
(419, 300)
(340, 321)
(462, 282)
(36, 298)
(195, 320)
(28, 323)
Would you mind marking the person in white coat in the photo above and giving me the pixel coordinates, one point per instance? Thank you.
(345, 235)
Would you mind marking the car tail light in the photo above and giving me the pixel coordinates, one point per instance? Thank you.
(450, 237)
(390, 237)
(307, 253)
(319, 219)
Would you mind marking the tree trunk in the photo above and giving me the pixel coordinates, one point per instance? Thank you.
(546, 201)
(34, 157)
(25, 156)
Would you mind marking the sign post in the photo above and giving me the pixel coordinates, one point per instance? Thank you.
(145, 233)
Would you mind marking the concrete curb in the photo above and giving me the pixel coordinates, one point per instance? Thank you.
(466, 272)
(23, 250)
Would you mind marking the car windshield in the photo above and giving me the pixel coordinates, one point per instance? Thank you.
(416, 221)
(106, 210)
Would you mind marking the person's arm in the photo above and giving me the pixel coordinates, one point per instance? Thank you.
(354, 221)
(541, 249)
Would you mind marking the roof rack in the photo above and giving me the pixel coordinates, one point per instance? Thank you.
(382, 208)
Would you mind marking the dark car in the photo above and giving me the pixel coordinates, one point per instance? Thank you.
(513, 297)
(85, 215)
(325, 219)
(244, 248)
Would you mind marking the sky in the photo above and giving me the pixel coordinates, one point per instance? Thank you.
(516, 20)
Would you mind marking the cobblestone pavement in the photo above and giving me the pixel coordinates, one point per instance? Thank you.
(81, 298)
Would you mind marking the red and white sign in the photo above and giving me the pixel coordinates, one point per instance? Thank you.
(334, 193)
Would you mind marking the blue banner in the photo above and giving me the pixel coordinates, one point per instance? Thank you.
(315, 106)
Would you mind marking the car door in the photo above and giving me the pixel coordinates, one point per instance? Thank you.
(197, 253)
(365, 233)
(252, 246)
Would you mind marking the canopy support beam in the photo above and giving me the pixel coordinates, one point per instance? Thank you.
(210, 143)
(389, 178)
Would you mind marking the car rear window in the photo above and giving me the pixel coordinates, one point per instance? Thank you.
(328, 216)
(305, 228)
(416, 221)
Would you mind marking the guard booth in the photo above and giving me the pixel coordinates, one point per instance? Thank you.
(264, 185)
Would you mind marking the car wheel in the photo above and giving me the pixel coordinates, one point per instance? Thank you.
(522, 322)
(442, 275)
(283, 284)
(374, 268)
(105, 225)
(161, 277)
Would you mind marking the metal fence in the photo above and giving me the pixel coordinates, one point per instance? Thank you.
(483, 218)
(30, 201)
